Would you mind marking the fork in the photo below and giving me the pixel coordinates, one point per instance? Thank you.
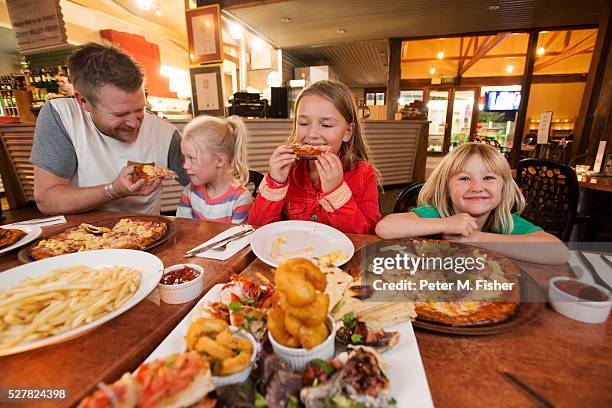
(223, 247)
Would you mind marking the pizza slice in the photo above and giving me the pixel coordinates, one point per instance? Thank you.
(149, 172)
(309, 152)
(8, 236)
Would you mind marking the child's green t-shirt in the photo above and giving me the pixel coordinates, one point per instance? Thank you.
(521, 225)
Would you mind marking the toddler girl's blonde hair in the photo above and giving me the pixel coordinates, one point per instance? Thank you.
(225, 136)
(341, 96)
(436, 193)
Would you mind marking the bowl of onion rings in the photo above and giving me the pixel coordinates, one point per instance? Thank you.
(298, 358)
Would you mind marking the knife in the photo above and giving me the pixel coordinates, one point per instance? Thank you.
(221, 241)
(591, 269)
(38, 221)
(542, 402)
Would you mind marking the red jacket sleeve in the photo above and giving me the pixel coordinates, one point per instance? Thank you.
(268, 205)
(353, 205)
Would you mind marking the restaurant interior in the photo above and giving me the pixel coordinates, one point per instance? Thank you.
(532, 79)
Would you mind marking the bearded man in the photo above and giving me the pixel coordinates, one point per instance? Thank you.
(82, 145)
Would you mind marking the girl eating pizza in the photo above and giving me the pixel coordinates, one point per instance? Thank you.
(333, 182)
(471, 197)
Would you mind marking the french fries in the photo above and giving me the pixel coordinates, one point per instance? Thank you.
(62, 300)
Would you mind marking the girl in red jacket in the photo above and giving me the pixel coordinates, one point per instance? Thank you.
(340, 187)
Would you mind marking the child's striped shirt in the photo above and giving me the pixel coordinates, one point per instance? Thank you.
(233, 206)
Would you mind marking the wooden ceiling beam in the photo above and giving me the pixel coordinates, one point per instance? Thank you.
(489, 56)
(577, 48)
(486, 46)
(551, 39)
(461, 60)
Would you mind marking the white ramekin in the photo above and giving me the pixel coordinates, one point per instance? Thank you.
(184, 292)
(576, 308)
(240, 376)
(298, 358)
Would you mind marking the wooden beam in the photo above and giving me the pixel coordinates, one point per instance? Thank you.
(460, 65)
(395, 75)
(410, 84)
(552, 39)
(513, 55)
(486, 46)
(592, 88)
(525, 90)
(580, 46)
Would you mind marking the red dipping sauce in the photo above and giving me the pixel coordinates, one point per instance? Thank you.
(178, 276)
(581, 290)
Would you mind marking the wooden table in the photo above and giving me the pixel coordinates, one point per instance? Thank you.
(567, 361)
(123, 343)
(596, 183)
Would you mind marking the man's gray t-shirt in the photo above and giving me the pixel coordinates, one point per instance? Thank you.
(54, 152)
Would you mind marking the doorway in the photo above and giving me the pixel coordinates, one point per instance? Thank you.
(452, 112)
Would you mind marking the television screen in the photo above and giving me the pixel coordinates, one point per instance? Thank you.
(502, 100)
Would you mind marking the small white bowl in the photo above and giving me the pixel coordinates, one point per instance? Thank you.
(298, 358)
(184, 292)
(577, 308)
(240, 376)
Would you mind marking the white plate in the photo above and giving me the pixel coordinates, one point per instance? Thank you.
(298, 235)
(408, 381)
(32, 232)
(150, 266)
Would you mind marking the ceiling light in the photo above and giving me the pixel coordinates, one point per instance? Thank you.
(145, 4)
(432, 70)
(540, 51)
(235, 31)
(341, 31)
(509, 69)
(285, 20)
(440, 55)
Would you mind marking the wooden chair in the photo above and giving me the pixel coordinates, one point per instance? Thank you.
(551, 191)
(407, 199)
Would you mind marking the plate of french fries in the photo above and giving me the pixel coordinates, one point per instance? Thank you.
(279, 241)
(56, 299)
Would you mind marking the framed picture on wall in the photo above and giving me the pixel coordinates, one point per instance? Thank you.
(204, 35)
(207, 91)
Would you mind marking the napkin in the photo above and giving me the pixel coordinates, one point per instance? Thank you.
(232, 247)
(603, 269)
(42, 222)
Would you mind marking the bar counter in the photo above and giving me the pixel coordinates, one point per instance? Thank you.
(565, 360)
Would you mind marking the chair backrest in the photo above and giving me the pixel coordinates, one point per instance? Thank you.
(551, 191)
(255, 179)
(407, 199)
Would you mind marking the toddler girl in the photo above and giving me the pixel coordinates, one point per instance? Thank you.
(216, 163)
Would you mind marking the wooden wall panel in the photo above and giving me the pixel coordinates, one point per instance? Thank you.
(17, 172)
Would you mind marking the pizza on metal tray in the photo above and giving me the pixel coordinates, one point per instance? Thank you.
(475, 308)
(127, 233)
